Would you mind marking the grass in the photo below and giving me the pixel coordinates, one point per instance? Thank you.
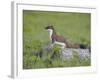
(73, 26)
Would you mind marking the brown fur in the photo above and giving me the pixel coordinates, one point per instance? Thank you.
(58, 38)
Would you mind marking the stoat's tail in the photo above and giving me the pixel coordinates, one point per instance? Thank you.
(82, 46)
(76, 46)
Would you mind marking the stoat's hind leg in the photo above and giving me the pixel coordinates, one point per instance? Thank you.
(63, 45)
(63, 48)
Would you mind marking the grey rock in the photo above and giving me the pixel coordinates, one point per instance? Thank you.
(68, 53)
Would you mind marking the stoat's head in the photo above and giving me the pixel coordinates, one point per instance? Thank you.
(50, 27)
(51, 30)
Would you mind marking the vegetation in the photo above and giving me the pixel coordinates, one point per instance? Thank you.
(73, 26)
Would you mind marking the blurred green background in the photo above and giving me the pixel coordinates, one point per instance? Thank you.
(74, 26)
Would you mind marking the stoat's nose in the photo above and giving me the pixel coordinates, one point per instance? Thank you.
(45, 27)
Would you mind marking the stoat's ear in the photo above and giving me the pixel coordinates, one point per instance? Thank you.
(52, 27)
(49, 27)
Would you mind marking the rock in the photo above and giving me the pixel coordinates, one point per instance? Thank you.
(84, 53)
(69, 53)
(66, 54)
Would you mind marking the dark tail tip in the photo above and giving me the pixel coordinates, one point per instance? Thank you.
(82, 46)
(89, 49)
